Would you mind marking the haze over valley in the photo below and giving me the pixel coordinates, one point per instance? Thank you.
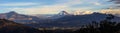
(59, 16)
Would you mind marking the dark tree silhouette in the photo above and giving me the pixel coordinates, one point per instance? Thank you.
(110, 17)
(105, 26)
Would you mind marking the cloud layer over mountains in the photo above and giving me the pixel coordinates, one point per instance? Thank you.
(116, 1)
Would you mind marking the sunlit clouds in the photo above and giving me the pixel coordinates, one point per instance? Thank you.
(52, 6)
(83, 12)
(110, 11)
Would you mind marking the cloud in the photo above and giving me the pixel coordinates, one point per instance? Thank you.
(67, 5)
(18, 4)
(39, 9)
(110, 11)
(47, 9)
(43, 9)
(68, 2)
(107, 0)
(83, 12)
(116, 3)
(97, 3)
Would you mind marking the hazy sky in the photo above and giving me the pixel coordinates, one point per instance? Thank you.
(51, 6)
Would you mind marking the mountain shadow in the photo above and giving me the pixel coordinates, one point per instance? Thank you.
(7, 26)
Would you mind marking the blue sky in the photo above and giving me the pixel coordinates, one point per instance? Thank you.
(51, 6)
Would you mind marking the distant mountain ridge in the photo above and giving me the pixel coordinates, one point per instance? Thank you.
(77, 20)
(20, 18)
(62, 19)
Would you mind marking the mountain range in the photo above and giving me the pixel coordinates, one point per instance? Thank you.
(62, 19)
(77, 20)
(19, 18)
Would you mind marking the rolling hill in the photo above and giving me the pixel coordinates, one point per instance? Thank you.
(7, 26)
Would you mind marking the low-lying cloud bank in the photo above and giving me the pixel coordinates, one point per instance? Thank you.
(104, 11)
(110, 11)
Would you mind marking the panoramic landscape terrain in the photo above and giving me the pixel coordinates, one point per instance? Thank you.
(59, 16)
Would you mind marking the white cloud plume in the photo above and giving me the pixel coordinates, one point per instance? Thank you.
(83, 12)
